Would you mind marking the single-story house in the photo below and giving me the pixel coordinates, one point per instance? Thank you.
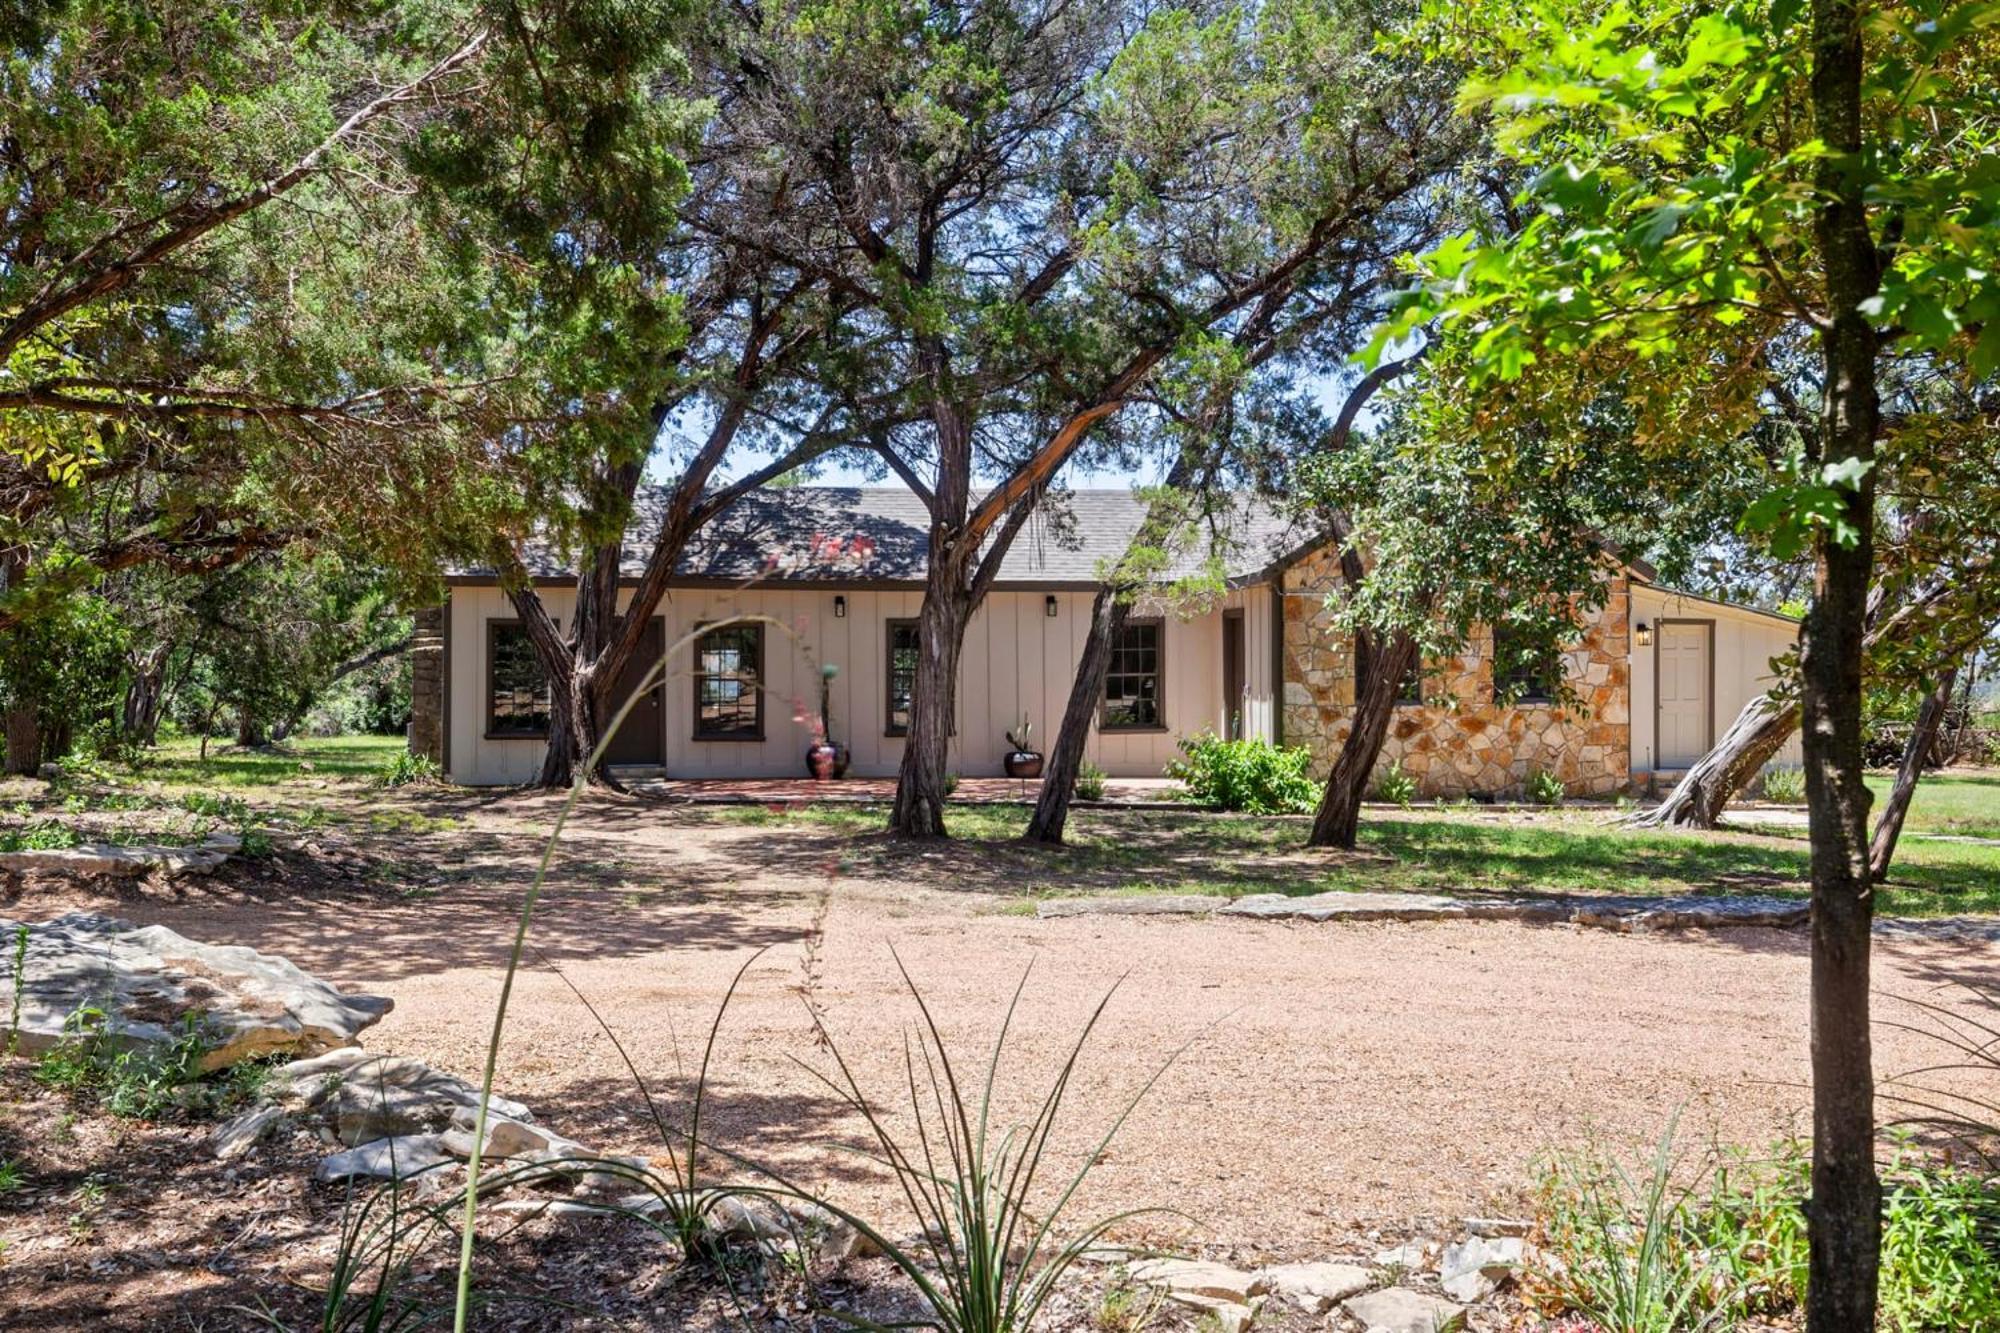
(837, 575)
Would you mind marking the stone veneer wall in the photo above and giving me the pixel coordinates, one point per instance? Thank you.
(1457, 742)
(427, 684)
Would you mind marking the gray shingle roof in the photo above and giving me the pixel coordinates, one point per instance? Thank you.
(824, 533)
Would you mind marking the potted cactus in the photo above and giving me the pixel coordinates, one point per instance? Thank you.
(1022, 759)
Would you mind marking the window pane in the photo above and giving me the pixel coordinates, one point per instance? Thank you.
(902, 674)
(1132, 682)
(727, 699)
(518, 704)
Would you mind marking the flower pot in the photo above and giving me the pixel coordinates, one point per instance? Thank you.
(1023, 763)
(827, 760)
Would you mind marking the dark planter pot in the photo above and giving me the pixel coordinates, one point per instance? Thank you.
(1023, 763)
(827, 761)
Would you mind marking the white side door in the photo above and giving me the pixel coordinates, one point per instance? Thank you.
(1685, 678)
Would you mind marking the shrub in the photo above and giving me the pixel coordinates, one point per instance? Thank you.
(1637, 1256)
(1089, 782)
(147, 1082)
(1396, 785)
(1545, 788)
(1785, 786)
(408, 769)
(1256, 777)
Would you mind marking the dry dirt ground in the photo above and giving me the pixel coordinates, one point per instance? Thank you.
(1323, 1084)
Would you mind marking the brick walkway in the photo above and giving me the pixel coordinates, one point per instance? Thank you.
(974, 791)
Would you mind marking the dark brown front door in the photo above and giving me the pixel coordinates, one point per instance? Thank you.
(643, 738)
(1232, 674)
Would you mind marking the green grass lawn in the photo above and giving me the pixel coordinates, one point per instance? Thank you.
(1455, 851)
(177, 763)
(1965, 804)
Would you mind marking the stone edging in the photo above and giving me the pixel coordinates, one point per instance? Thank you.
(105, 858)
(1620, 914)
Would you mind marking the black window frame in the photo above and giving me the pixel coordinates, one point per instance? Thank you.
(889, 631)
(1537, 691)
(492, 728)
(1114, 671)
(755, 679)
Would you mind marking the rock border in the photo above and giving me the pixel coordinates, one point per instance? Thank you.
(1624, 914)
(127, 860)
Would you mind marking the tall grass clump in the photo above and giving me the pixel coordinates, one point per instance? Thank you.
(990, 1255)
(1617, 1246)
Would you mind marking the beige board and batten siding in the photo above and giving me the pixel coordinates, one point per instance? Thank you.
(1742, 646)
(1016, 658)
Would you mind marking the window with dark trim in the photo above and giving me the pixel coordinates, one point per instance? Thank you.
(901, 676)
(1526, 677)
(517, 689)
(1135, 681)
(728, 700)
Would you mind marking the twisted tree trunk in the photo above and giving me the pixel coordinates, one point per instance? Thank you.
(1108, 613)
(1923, 739)
(1705, 790)
(1381, 667)
(920, 782)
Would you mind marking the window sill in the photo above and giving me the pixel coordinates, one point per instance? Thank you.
(516, 736)
(742, 739)
(1103, 730)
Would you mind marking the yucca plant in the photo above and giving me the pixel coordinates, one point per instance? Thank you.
(1621, 1247)
(988, 1260)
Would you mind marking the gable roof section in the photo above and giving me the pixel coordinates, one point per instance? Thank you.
(877, 534)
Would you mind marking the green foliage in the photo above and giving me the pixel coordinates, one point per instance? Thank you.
(68, 665)
(1396, 785)
(1253, 776)
(1645, 1255)
(408, 769)
(1624, 1255)
(148, 1081)
(12, 1179)
(1090, 781)
(989, 1259)
(1785, 786)
(1545, 788)
(47, 835)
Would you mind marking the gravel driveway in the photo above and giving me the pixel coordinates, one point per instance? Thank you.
(1331, 1078)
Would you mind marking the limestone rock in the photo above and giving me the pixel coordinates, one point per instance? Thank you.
(375, 1096)
(1411, 1258)
(246, 1131)
(1490, 1227)
(1196, 1277)
(125, 861)
(1316, 1287)
(1472, 1269)
(1400, 1310)
(505, 1137)
(395, 1158)
(149, 980)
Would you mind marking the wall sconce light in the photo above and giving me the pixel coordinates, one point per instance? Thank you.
(1642, 634)
(840, 608)
(1049, 604)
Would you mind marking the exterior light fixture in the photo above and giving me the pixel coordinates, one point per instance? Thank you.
(840, 608)
(1049, 604)
(1642, 634)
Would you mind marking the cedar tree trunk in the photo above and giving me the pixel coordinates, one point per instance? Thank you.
(1383, 667)
(1705, 790)
(920, 782)
(1108, 612)
(1844, 1212)
(1923, 739)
